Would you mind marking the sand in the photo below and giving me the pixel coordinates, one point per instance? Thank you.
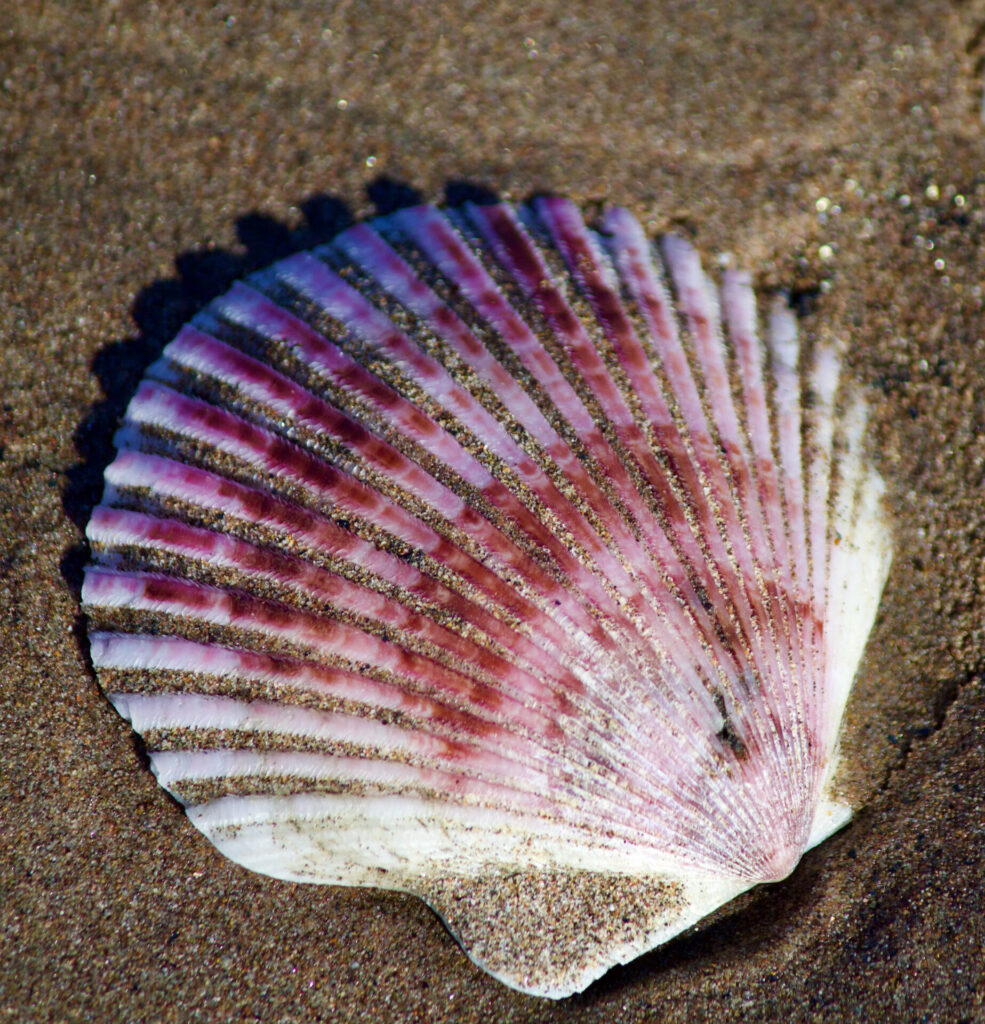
(150, 155)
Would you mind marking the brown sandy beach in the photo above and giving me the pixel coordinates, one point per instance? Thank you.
(151, 154)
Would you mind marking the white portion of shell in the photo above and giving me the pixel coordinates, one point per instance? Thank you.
(458, 557)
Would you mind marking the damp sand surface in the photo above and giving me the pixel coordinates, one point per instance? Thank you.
(152, 154)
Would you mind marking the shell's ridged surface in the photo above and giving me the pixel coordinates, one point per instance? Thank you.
(458, 557)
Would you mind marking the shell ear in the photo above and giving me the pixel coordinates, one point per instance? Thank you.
(595, 919)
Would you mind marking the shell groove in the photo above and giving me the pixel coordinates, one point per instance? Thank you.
(458, 556)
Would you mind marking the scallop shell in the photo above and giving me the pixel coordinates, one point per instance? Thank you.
(456, 557)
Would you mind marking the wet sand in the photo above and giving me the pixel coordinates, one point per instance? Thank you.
(150, 156)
